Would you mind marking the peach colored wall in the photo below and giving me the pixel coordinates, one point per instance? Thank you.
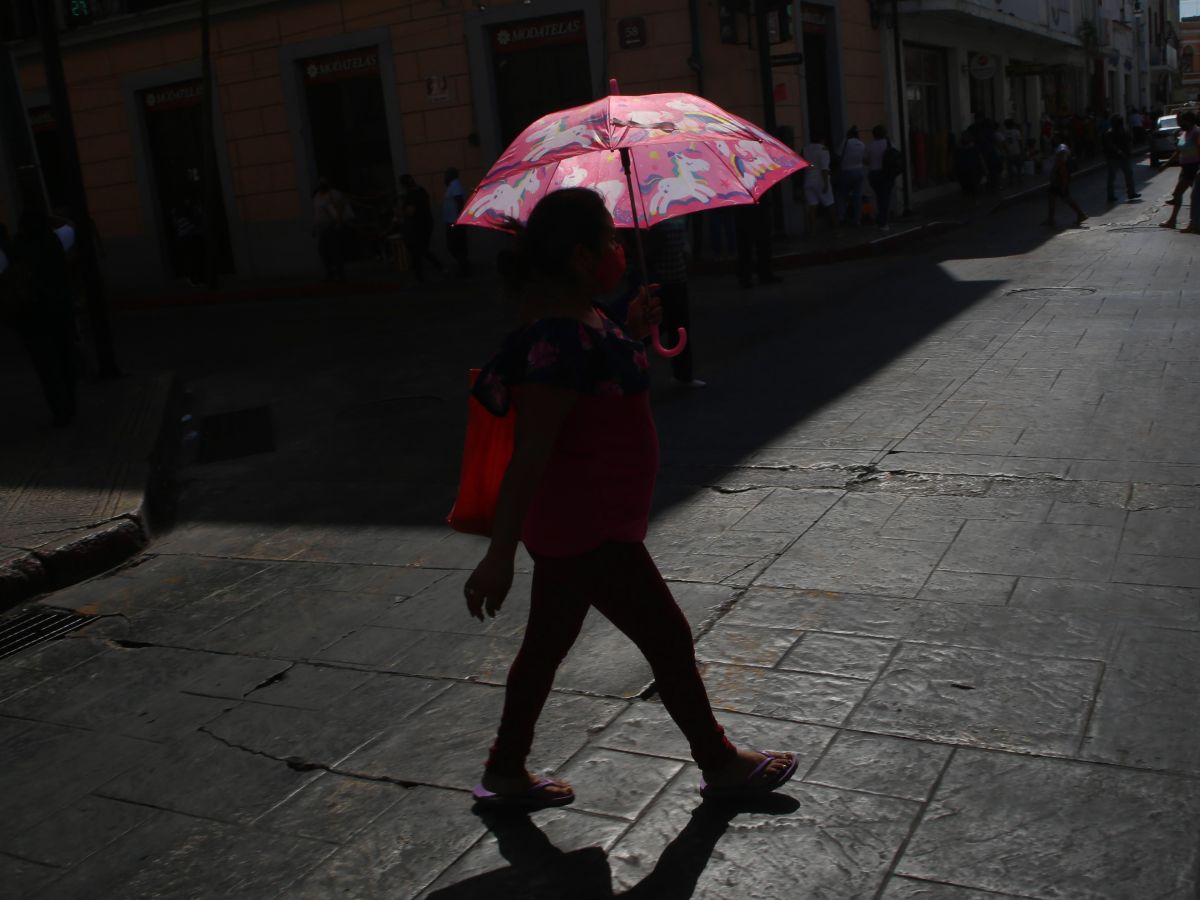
(862, 65)
(427, 37)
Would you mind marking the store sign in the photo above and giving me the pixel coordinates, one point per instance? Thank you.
(631, 33)
(174, 96)
(982, 66)
(340, 66)
(517, 36)
(41, 119)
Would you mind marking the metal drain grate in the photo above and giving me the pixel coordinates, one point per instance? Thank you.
(236, 434)
(1050, 293)
(34, 625)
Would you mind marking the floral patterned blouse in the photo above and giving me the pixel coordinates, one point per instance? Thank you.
(566, 353)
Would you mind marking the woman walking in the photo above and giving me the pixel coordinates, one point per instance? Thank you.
(577, 493)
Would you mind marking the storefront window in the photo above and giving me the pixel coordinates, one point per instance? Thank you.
(927, 85)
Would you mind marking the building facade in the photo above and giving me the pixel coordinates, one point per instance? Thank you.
(360, 91)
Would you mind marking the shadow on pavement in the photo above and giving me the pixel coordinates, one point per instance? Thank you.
(539, 870)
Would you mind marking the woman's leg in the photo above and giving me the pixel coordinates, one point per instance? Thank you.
(637, 600)
(558, 606)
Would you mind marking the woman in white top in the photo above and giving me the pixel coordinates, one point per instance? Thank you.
(818, 190)
(848, 180)
(880, 179)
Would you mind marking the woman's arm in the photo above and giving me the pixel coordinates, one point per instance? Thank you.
(543, 410)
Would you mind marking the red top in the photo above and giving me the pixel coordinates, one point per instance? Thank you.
(599, 481)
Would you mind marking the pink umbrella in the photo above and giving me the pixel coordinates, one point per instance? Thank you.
(651, 158)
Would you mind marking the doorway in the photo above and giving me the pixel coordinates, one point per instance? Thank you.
(175, 138)
(350, 141)
(814, 21)
(541, 65)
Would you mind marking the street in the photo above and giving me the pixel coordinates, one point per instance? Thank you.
(935, 524)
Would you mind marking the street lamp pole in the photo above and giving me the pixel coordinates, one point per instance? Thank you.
(902, 106)
(85, 230)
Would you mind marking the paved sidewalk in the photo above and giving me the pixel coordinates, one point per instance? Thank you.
(73, 501)
(934, 524)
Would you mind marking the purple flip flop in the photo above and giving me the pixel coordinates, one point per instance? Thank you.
(751, 787)
(533, 798)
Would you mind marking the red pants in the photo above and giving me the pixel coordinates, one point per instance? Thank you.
(623, 583)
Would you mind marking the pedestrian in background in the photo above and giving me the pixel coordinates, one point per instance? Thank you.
(848, 180)
(577, 493)
(753, 228)
(1014, 150)
(1059, 187)
(667, 260)
(969, 166)
(416, 226)
(453, 201)
(38, 302)
(1187, 155)
(330, 214)
(881, 173)
(1117, 150)
(818, 186)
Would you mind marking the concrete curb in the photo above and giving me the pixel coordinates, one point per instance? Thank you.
(72, 557)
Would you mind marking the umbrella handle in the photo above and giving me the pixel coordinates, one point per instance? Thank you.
(669, 352)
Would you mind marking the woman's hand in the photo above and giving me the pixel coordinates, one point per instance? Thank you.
(645, 313)
(489, 584)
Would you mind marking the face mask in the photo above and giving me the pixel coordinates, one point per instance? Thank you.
(610, 269)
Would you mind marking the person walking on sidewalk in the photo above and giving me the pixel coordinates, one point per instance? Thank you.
(848, 180)
(416, 226)
(1059, 187)
(818, 186)
(666, 258)
(1117, 152)
(1187, 154)
(577, 492)
(453, 202)
(753, 233)
(883, 165)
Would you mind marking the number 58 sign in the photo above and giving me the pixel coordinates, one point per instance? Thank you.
(631, 33)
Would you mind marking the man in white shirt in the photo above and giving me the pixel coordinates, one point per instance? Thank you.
(880, 175)
(818, 189)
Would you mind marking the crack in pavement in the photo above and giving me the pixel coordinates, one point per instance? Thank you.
(300, 764)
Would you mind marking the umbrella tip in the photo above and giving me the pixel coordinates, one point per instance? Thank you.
(612, 86)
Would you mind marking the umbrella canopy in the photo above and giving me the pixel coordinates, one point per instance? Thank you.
(686, 155)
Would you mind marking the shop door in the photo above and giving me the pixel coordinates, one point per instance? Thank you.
(541, 65)
(351, 147)
(814, 22)
(926, 83)
(175, 136)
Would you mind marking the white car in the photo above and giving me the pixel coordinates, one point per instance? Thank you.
(1162, 140)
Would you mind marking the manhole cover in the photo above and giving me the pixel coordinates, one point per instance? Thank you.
(235, 434)
(1051, 293)
(34, 625)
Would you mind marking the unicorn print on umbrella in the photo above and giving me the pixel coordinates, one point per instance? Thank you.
(504, 200)
(685, 185)
(749, 159)
(612, 190)
(555, 136)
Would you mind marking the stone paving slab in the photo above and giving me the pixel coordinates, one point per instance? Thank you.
(74, 500)
(951, 567)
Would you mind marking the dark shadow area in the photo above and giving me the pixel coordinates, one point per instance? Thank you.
(368, 394)
(539, 870)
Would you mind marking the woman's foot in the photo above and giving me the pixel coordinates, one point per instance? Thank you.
(740, 772)
(517, 785)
